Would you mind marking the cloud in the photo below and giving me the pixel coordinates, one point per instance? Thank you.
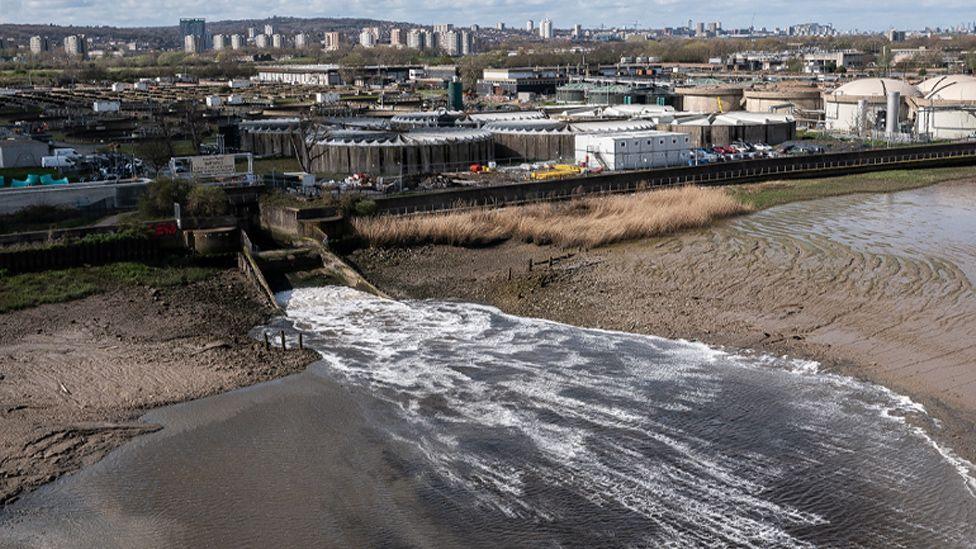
(843, 14)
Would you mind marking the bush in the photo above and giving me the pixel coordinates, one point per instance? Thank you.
(160, 196)
(364, 208)
(207, 202)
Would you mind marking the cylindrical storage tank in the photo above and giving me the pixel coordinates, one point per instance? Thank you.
(426, 119)
(783, 100)
(710, 99)
(946, 111)
(455, 95)
(894, 107)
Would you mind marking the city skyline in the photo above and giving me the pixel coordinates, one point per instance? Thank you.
(843, 16)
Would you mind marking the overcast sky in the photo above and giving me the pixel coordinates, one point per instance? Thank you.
(843, 14)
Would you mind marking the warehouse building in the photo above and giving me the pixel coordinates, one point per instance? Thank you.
(512, 82)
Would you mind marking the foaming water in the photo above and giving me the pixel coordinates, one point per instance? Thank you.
(457, 425)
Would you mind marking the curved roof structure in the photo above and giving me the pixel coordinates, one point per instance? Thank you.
(875, 87)
(528, 126)
(941, 82)
(953, 89)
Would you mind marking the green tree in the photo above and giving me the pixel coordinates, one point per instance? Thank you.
(160, 196)
(206, 201)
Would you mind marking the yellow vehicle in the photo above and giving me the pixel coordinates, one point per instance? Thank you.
(557, 171)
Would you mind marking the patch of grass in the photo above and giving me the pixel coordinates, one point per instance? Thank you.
(774, 193)
(26, 290)
(590, 222)
(276, 165)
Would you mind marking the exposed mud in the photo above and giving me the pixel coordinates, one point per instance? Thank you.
(808, 279)
(74, 376)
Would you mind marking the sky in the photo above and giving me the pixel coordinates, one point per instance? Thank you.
(843, 14)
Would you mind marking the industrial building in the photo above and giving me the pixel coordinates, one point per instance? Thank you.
(724, 129)
(612, 93)
(862, 105)
(512, 82)
(418, 152)
(633, 150)
(947, 110)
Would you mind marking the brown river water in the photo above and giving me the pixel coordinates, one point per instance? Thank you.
(444, 424)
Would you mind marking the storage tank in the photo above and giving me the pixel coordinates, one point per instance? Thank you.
(783, 99)
(841, 106)
(708, 99)
(541, 139)
(455, 95)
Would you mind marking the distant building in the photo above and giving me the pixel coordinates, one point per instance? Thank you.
(450, 42)
(577, 31)
(75, 45)
(367, 39)
(500, 26)
(416, 39)
(895, 35)
(218, 41)
(512, 82)
(277, 41)
(396, 37)
(269, 29)
(467, 43)
(331, 42)
(236, 41)
(530, 25)
(251, 33)
(443, 28)
(301, 41)
(261, 41)
(39, 44)
(545, 29)
(196, 28)
(190, 44)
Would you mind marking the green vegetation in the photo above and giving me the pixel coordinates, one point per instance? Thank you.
(32, 289)
(207, 201)
(196, 199)
(766, 195)
(42, 218)
(160, 196)
(276, 165)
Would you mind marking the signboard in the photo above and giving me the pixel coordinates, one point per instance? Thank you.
(218, 165)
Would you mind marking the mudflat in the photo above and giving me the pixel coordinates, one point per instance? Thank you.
(879, 287)
(75, 376)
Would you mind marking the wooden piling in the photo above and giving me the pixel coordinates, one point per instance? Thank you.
(509, 274)
(267, 342)
(283, 346)
(301, 342)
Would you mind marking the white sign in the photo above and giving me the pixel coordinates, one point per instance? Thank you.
(218, 165)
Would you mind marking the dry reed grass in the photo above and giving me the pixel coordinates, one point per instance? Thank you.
(587, 222)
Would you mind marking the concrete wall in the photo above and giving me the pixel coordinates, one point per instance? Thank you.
(108, 196)
(21, 153)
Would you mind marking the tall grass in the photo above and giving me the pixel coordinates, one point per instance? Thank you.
(588, 222)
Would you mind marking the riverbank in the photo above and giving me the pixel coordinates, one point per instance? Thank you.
(75, 376)
(905, 322)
